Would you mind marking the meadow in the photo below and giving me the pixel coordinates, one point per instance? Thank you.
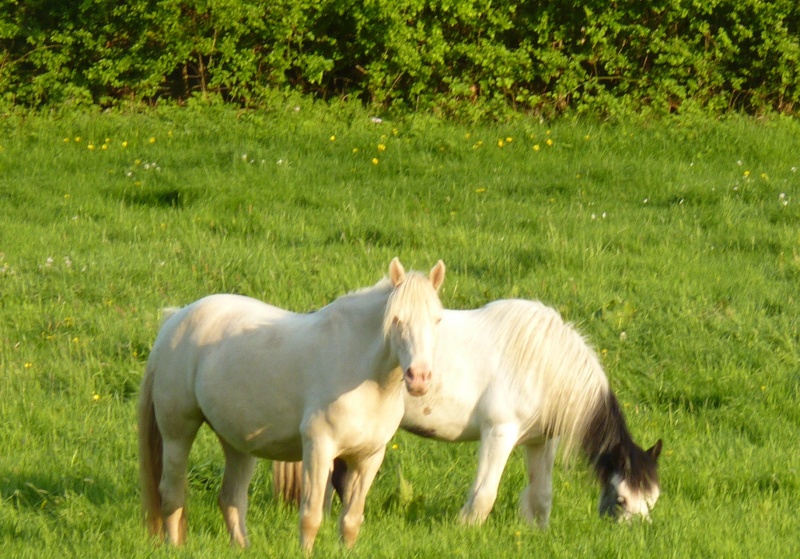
(674, 246)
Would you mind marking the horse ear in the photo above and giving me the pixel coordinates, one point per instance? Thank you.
(655, 450)
(437, 275)
(396, 271)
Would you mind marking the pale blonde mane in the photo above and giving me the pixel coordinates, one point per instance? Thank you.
(366, 296)
(548, 363)
(413, 297)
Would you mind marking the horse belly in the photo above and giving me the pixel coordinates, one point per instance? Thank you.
(287, 450)
(261, 434)
(253, 409)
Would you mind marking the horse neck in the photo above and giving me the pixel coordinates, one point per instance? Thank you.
(364, 310)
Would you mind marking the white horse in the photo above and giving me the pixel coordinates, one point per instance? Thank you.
(286, 386)
(514, 374)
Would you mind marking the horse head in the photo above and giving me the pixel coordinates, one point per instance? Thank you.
(412, 315)
(630, 480)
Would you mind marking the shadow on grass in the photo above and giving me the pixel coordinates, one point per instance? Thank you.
(36, 492)
(157, 198)
(154, 196)
(374, 237)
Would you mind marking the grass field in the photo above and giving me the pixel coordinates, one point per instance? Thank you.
(674, 247)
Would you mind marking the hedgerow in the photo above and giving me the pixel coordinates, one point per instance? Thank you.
(473, 57)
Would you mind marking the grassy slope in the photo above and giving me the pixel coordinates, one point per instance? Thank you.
(670, 246)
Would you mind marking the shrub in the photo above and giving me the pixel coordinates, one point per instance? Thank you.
(473, 57)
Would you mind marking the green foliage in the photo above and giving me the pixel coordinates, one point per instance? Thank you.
(471, 58)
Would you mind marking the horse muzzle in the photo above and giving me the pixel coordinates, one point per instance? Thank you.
(417, 380)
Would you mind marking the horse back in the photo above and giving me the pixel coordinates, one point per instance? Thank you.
(238, 364)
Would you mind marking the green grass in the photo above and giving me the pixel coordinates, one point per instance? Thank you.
(674, 247)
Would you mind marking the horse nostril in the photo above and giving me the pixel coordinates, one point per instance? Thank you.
(422, 374)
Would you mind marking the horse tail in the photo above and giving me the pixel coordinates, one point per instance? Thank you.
(150, 456)
(287, 480)
(151, 446)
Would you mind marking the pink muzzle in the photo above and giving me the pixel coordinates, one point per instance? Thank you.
(417, 379)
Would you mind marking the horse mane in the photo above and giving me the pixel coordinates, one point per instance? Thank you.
(380, 289)
(412, 296)
(551, 365)
(361, 297)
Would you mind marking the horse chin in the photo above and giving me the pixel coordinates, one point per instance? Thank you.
(416, 389)
(623, 516)
(611, 510)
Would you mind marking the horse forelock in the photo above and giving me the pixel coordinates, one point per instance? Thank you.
(550, 363)
(642, 469)
(412, 298)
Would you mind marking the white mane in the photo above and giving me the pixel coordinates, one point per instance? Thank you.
(549, 362)
(365, 295)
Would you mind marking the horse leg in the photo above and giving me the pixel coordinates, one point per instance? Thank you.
(497, 442)
(239, 469)
(357, 482)
(178, 441)
(537, 498)
(317, 460)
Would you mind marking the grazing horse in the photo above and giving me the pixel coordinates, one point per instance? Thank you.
(286, 386)
(512, 373)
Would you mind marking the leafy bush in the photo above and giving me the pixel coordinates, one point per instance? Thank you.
(472, 57)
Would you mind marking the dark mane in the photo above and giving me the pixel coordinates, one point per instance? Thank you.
(610, 448)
